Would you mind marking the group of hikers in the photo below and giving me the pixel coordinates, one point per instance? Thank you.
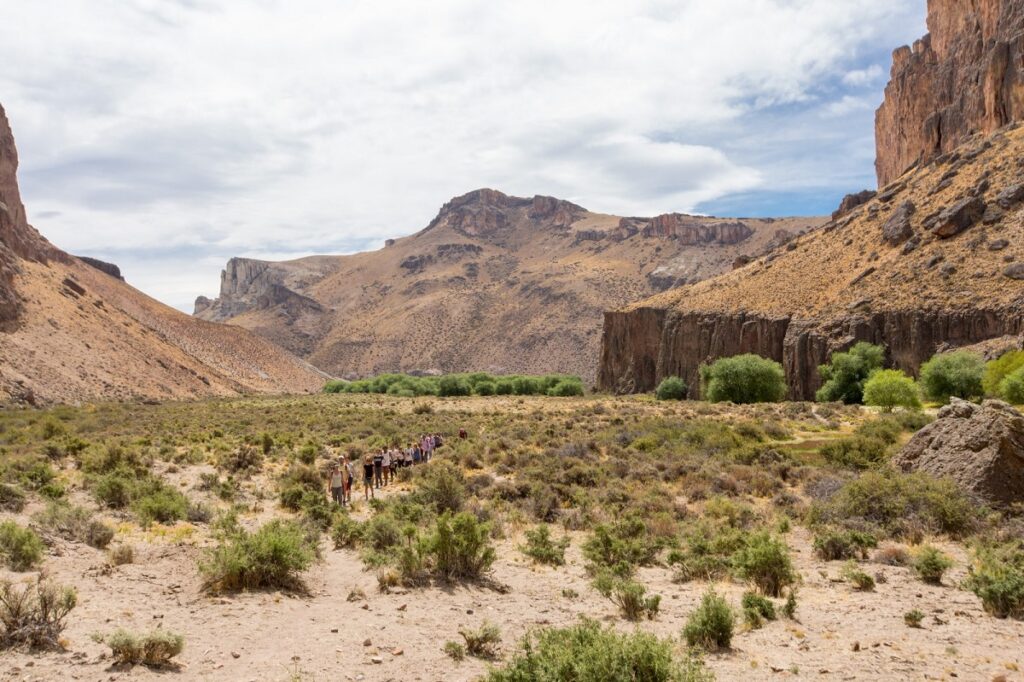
(380, 467)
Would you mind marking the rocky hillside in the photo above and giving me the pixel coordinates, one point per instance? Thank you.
(965, 76)
(494, 282)
(71, 331)
(932, 261)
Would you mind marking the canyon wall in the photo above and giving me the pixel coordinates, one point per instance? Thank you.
(966, 76)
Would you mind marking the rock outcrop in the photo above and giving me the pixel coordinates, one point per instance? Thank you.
(966, 76)
(981, 447)
(852, 201)
(102, 266)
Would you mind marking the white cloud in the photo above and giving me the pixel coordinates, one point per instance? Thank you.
(231, 127)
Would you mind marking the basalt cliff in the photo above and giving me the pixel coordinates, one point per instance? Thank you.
(72, 329)
(494, 282)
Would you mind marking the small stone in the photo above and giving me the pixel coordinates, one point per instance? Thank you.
(1015, 271)
(365, 607)
(367, 642)
(235, 654)
(397, 652)
(998, 245)
(376, 660)
(334, 629)
(469, 612)
(856, 646)
(403, 607)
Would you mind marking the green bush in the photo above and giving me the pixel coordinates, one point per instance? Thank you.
(846, 373)
(160, 504)
(450, 386)
(621, 546)
(273, 557)
(461, 547)
(743, 379)
(857, 452)
(997, 370)
(567, 388)
(997, 577)
(441, 486)
(891, 388)
(708, 552)
(859, 579)
(483, 642)
(587, 653)
(345, 531)
(832, 544)
(900, 504)
(34, 615)
(75, 523)
(115, 489)
(504, 387)
(1011, 389)
(930, 564)
(913, 618)
(757, 609)
(455, 650)
(711, 626)
(671, 388)
(155, 648)
(20, 548)
(764, 562)
(631, 597)
(12, 499)
(542, 549)
(484, 388)
(958, 374)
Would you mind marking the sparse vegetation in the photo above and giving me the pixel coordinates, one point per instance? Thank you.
(482, 642)
(34, 615)
(155, 648)
(273, 557)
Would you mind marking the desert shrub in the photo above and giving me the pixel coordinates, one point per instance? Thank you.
(115, 489)
(997, 578)
(120, 554)
(859, 579)
(891, 388)
(757, 609)
(833, 544)
(455, 651)
(566, 388)
(892, 555)
(296, 482)
(857, 452)
(482, 642)
(743, 379)
(789, 607)
(1011, 389)
(114, 457)
(441, 486)
(34, 615)
(461, 547)
(160, 503)
(1000, 368)
(846, 373)
(913, 618)
(449, 386)
(74, 523)
(930, 564)
(711, 625)
(31, 473)
(708, 551)
(504, 387)
(20, 547)
(542, 549)
(484, 388)
(621, 546)
(155, 648)
(630, 596)
(587, 653)
(671, 388)
(272, 557)
(525, 386)
(245, 459)
(958, 374)
(897, 503)
(381, 532)
(765, 563)
(12, 499)
(345, 531)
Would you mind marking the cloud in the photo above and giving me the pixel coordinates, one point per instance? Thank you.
(228, 127)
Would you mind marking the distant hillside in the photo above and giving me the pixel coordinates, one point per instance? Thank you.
(72, 330)
(494, 282)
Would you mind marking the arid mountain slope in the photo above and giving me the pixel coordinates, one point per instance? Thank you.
(494, 282)
(934, 261)
(965, 76)
(69, 331)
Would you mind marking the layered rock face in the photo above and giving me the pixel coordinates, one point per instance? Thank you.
(103, 266)
(981, 447)
(494, 282)
(966, 76)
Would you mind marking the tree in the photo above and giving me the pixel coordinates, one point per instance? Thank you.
(846, 373)
(999, 369)
(452, 386)
(671, 388)
(890, 388)
(743, 379)
(1012, 387)
(956, 374)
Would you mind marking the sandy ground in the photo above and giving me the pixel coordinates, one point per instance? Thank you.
(840, 634)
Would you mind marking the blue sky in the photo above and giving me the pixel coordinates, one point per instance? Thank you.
(170, 135)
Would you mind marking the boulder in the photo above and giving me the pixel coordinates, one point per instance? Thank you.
(981, 447)
(959, 217)
(852, 201)
(897, 228)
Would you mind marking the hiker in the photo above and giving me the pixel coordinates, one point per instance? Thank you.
(417, 454)
(463, 435)
(337, 485)
(350, 475)
(378, 468)
(368, 476)
(385, 465)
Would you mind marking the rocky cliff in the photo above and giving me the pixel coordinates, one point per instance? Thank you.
(493, 282)
(966, 76)
(932, 262)
(72, 330)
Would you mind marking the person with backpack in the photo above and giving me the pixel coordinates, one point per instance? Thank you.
(337, 485)
(349, 474)
(368, 476)
(378, 468)
(386, 462)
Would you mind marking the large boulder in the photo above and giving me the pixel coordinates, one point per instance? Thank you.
(981, 447)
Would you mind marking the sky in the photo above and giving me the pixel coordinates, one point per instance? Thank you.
(168, 136)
